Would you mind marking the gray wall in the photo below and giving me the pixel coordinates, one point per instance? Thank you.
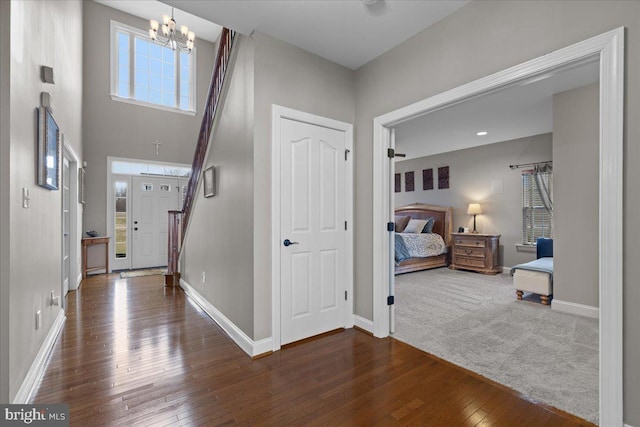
(118, 129)
(575, 213)
(472, 174)
(5, 200)
(291, 77)
(31, 248)
(480, 39)
(220, 237)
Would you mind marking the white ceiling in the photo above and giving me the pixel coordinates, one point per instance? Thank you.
(347, 32)
(516, 112)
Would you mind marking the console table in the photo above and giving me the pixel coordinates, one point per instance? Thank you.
(90, 241)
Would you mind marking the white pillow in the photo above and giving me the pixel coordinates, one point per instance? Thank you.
(415, 226)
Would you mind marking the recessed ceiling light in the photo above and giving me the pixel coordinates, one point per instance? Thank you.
(482, 133)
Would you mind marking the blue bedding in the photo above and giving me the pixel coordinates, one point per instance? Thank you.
(544, 264)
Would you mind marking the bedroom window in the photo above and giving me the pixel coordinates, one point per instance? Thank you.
(145, 73)
(537, 206)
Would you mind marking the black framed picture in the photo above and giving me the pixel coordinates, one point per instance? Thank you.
(48, 150)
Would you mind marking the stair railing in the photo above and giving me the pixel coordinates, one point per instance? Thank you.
(178, 233)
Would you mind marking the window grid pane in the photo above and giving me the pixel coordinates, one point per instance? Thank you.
(536, 220)
(155, 77)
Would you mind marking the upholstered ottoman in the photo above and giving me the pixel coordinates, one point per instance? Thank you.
(536, 282)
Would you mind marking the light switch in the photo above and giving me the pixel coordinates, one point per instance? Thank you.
(25, 198)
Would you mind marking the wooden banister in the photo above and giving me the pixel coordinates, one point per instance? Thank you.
(210, 109)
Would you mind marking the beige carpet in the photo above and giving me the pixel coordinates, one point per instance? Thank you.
(474, 321)
(140, 273)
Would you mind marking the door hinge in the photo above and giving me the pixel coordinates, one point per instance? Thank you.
(346, 153)
(391, 226)
(391, 153)
(390, 300)
(345, 226)
(345, 295)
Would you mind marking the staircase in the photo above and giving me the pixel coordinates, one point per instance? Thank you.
(179, 220)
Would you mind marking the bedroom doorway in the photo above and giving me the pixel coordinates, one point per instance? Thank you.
(608, 50)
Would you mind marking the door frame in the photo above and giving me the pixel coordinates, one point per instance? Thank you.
(109, 205)
(75, 213)
(608, 48)
(279, 113)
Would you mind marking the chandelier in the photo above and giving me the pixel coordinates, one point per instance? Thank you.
(182, 40)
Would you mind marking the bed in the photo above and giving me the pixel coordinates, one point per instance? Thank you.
(536, 276)
(442, 219)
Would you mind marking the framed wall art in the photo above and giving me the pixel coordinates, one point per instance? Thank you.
(48, 150)
(209, 183)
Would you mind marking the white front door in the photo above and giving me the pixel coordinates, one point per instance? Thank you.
(152, 197)
(66, 227)
(313, 236)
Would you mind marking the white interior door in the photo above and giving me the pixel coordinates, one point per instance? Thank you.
(66, 227)
(151, 198)
(313, 236)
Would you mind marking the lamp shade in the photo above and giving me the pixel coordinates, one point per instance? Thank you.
(474, 209)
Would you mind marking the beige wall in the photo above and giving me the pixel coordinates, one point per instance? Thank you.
(118, 129)
(480, 39)
(230, 236)
(220, 237)
(35, 233)
(575, 213)
(473, 173)
(291, 77)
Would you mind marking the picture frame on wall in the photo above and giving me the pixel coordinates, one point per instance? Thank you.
(209, 183)
(81, 190)
(48, 150)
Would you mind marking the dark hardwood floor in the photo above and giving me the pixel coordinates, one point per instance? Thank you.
(135, 353)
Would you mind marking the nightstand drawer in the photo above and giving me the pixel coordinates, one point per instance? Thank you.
(469, 251)
(462, 261)
(472, 243)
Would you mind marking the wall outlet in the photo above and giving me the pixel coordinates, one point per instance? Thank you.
(38, 319)
(204, 277)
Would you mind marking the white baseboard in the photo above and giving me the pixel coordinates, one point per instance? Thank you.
(36, 371)
(574, 308)
(363, 323)
(252, 348)
(627, 425)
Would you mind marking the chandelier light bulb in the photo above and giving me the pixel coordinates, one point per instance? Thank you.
(184, 30)
(191, 36)
(154, 25)
(166, 19)
(172, 25)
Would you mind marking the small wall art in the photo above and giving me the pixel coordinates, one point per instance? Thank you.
(398, 183)
(427, 179)
(409, 181)
(209, 183)
(443, 177)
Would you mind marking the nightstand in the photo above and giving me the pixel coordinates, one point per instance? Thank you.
(475, 251)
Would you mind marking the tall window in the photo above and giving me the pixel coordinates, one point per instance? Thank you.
(120, 218)
(149, 74)
(536, 216)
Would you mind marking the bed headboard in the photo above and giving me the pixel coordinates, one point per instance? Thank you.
(443, 217)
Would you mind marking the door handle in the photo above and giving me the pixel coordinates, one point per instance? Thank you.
(288, 242)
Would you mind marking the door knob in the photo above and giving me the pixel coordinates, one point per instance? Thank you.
(288, 242)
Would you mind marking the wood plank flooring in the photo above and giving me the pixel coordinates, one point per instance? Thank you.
(135, 353)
